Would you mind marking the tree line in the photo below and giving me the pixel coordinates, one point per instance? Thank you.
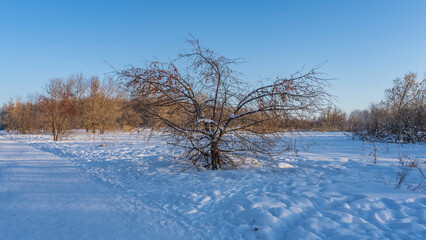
(95, 104)
(76, 102)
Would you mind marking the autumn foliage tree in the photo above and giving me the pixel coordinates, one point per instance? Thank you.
(210, 113)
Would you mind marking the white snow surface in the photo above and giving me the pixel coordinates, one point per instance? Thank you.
(127, 186)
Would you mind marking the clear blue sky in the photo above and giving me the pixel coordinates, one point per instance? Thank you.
(366, 43)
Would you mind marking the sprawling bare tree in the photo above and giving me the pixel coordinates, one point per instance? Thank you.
(215, 117)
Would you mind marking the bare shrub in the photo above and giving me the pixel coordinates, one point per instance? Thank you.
(406, 165)
(373, 150)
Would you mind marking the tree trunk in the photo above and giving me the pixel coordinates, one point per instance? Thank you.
(54, 130)
(215, 155)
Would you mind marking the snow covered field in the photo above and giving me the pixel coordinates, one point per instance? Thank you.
(122, 186)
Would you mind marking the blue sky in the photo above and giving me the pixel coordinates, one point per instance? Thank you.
(366, 43)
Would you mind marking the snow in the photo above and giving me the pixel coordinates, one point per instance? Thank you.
(205, 120)
(284, 165)
(127, 186)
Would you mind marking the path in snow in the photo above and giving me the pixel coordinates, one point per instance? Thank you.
(43, 196)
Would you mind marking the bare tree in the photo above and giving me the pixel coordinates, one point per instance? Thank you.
(22, 116)
(332, 118)
(406, 92)
(7, 116)
(358, 120)
(102, 107)
(210, 113)
(58, 104)
(400, 117)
